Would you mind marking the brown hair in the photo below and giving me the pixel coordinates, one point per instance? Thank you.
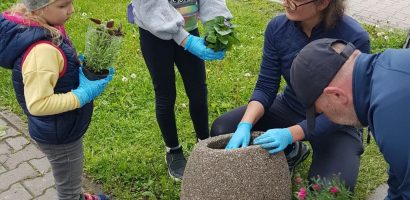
(333, 13)
(20, 9)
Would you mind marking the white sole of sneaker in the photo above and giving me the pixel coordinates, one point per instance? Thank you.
(169, 172)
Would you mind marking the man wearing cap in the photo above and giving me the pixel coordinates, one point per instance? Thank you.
(331, 77)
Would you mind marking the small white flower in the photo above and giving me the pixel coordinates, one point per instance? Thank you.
(377, 26)
(380, 34)
(183, 105)
(83, 14)
(133, 76)
(247, 74)
(124, 79)
(386, 37)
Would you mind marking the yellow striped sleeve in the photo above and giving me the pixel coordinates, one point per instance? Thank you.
(41, 69)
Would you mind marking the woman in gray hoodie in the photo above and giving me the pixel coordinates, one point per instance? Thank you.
(169, 35)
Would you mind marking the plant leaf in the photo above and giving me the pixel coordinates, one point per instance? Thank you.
(223, 30)
(211, 38)
(110, 24)
(97, 21)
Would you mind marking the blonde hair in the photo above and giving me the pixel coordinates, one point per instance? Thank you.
(21, 9)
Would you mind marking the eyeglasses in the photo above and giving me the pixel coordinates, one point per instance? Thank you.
(293, 6)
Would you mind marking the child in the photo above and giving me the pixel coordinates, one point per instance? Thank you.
(50, 87)
(169, 35)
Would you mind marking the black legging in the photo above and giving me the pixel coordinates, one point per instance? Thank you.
(333, 153)
(160, 56)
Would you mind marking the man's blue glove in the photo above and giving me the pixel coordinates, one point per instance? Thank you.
(89, 90)
(275, 140)
(241, 137)
(196, 45)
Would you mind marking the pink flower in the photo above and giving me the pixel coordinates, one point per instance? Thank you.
(301, 194)
(298, 180)
(316, 187)
(334, 190)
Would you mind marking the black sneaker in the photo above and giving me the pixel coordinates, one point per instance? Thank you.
(299, 153)
(176, 163)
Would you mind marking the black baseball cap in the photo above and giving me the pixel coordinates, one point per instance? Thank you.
(313, 69)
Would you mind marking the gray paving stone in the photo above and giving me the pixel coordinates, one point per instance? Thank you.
(2, 122)
(42, 165)
(2, 132)
(4, 158)
(11, 132)
(381, 12)
(16, 191)
(14, 120)
(26, 154)
(4, 148)
(17, 143)
(22, 172)
(2, 169)
(51, 193)
(38, 185)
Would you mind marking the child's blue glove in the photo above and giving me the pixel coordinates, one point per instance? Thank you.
(89, 90)
(196, 45)
(275, 140)
(241, 137)
(81, 58)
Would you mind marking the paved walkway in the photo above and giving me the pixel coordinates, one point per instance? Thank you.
(386, 13)
(24, 170)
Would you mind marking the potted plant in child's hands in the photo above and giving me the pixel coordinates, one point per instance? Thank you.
(103, 43)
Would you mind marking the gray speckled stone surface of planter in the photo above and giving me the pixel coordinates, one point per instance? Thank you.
(245, 173)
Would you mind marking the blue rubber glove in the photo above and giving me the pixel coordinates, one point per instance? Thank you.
(89, 90)
(81, 57)
(275, 140)
(241, 137)
(196, 45)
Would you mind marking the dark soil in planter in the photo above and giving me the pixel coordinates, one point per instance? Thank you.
(221, 144)
(92, 75)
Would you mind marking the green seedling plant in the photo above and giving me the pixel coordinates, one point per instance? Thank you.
(103, 43)
(219, 34)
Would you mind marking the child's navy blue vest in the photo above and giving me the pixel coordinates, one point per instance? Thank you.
(61, 128)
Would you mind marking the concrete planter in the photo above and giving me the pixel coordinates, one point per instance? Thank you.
(246, 173)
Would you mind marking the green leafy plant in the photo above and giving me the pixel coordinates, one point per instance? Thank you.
(321, 189)
(103, 43)
(219, 34)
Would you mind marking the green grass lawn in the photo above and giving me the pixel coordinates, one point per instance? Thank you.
(123, 146)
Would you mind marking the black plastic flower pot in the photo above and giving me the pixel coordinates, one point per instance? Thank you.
(93, 76)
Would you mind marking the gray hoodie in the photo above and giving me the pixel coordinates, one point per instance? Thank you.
(161, 18)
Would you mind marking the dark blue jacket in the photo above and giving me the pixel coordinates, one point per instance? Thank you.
(15, 39)
(381, 97)
(283, 40)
